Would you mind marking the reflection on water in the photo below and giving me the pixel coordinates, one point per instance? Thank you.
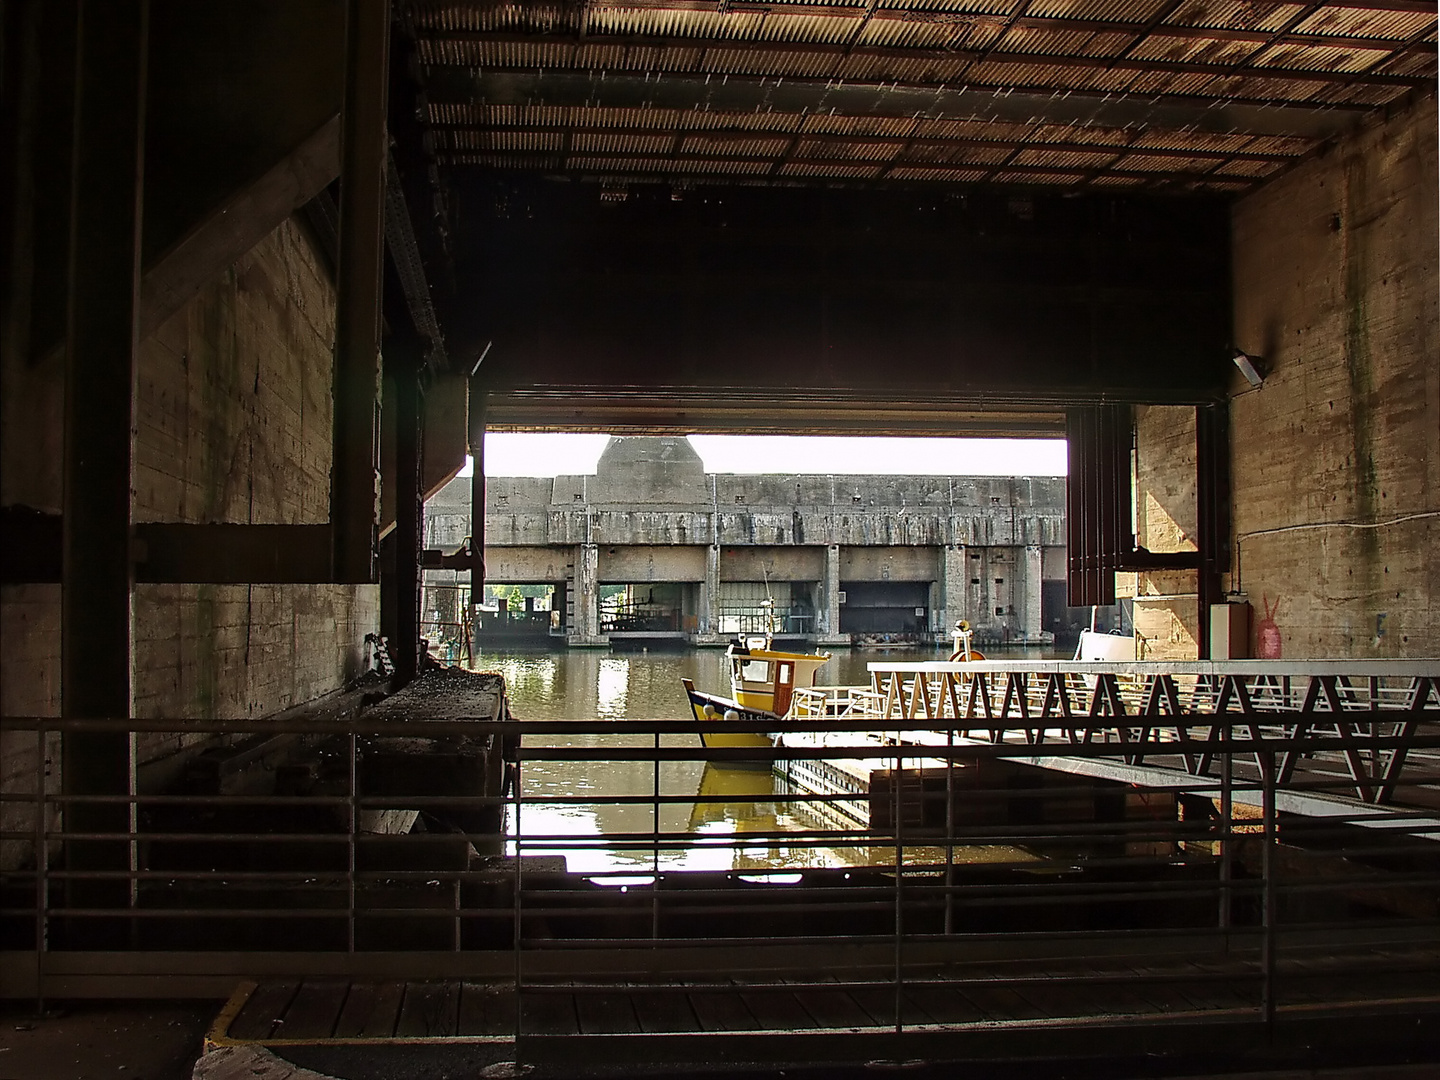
(721, 807)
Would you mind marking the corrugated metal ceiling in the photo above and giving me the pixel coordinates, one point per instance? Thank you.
(1188, 95)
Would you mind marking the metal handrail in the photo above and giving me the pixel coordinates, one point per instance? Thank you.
(933, 899)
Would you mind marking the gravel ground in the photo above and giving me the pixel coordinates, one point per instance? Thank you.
(446, 693)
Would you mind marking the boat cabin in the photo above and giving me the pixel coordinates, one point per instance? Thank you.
(764, 679)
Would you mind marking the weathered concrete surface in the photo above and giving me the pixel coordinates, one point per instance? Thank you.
(233, 424)
(651, 515)
(1337, 454)
(1167, 611)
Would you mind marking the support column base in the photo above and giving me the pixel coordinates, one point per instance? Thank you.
(578, 642)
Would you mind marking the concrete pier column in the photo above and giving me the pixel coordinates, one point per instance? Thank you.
(982, 611)
(102, 343)
(586, 585)
(828, 632)
(1034, 567)
(953, 589)
(709, 616)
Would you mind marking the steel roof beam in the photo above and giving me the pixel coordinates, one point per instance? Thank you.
(840, 56)
(735, 93)
(749, 134)
(1087, 169)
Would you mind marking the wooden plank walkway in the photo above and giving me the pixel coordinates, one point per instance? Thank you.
(1050, 993)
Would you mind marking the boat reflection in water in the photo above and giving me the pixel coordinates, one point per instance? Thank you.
(732, 802)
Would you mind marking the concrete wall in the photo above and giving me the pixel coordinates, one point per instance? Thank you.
(1336, 288)
(232, 425)
(1167, 609)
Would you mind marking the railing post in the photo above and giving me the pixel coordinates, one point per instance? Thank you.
(42, 872)
(950, 830)
(1227, 813)
(515, 898)
(899, 818)
(655, 846)
(1267, 869)
(354, 819)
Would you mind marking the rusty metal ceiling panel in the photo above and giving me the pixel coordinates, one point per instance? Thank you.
(947, 176)
(644, 145)
(847, 149)
(1062, 178)
(952, 32)
(1358, 22)
(1077, 133)
(824, 123)
(828, 170)
(1236, 13)
(528, 162)
(543, 18)
(1255, 169)
(1064, 43)
(738, 145)
(959, 155)
(883, 69)
(1315, 58)
(962, 129)
(901, 91)
(665, 22)
(1118, 10)
(1162, 46)
(1151, 163)
(1062, 159)
(504, 140)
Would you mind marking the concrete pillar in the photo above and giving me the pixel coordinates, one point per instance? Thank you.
(478, 410)
(1034, 566)
(709, 620)
(97, 619)
(953, 589)
(978, 576)
(828, 632)
(354, 484)
(586, 585)
(409, 510)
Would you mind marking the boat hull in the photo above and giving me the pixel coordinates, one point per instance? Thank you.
(727, 724)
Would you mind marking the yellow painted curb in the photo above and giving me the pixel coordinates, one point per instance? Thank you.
(219, 1033)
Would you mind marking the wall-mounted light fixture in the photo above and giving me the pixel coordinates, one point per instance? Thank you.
(1253, 368)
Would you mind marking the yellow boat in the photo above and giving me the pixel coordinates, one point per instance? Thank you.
(762, 681)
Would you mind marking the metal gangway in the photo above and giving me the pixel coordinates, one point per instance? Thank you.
(1173, 722)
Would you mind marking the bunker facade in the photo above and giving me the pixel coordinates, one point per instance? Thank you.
(844, 559)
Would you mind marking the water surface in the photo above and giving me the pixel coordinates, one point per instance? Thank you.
(721, 807)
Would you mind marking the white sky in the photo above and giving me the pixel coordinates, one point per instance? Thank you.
(523, 454)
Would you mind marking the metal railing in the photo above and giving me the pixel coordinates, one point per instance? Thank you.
(706, 868)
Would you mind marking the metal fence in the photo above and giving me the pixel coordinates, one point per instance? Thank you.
(853, 857)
